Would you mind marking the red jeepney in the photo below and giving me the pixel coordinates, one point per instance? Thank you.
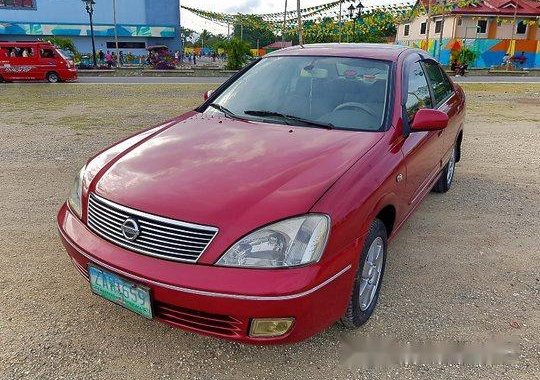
(23, 61)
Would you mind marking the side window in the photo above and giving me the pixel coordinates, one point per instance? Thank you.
(47, 53)
(27, 52)
(442, 88)
(418, 95)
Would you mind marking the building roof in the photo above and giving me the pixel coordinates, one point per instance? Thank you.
(496, 8)
(387, 52)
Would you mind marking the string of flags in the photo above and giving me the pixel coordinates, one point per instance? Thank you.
(394, 13)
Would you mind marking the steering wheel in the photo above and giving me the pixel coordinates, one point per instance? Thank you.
(354, 105)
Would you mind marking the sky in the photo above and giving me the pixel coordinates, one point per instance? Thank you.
(189, 20)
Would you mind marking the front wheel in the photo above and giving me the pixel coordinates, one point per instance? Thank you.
(368, 279)
(447, 175)
(53, 78)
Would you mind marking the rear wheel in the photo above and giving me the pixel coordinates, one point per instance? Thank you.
(368, 279)
(53, 77)
(447, 175)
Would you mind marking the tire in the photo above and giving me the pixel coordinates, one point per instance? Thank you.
(359, 310)
(447, 176)
(53, 77)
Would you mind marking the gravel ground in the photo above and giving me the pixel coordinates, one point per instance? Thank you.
(465, 268)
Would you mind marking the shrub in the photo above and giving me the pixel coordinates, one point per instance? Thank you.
(238, 54)
(466, 55)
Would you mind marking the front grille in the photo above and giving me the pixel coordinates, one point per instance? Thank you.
(158, 236)
(198, 320)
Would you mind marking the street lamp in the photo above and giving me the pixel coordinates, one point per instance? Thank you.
(90, 10)
(351, 9)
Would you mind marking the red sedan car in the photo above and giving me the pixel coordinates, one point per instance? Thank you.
(264, 215)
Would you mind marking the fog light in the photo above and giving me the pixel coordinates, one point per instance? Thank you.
(269, 327)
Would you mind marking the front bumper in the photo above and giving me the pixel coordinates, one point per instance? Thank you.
(221, 301)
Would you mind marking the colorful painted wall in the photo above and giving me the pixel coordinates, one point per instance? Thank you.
(27, 29)
(489, 52)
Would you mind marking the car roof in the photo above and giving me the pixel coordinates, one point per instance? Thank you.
(25, 43)
(387, 52)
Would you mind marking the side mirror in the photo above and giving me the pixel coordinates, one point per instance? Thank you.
(429, 120)
(207, 94)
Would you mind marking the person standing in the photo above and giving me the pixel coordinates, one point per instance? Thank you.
(506, 61)
(109, 59)
(101, 56)
(121, 58)
(522, 59)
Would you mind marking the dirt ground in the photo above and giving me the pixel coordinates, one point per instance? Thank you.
(465, 267)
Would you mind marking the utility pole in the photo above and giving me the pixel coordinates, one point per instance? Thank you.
(284, 26)
(428, 22)
(116, 33)
(300, 36)
(339, 19)
(513, 40)
(442, 31)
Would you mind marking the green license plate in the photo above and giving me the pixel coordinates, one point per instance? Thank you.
(125, 293)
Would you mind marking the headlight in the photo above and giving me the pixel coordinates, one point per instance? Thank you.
(75, 198)
(288, 243)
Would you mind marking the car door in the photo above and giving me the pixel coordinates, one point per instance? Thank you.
(446, 100)
(421, 150)
(47, 61)
(27, 63)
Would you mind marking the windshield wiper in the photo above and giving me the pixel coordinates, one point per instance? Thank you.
(286, 117)
(225, 111)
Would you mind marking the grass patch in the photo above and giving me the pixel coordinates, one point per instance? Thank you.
(96, 108)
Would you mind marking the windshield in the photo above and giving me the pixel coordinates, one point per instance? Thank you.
(66, 54)
(332, 92)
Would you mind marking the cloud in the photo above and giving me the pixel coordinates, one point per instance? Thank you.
(246, 6)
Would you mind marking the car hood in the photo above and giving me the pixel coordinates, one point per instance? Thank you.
(222, 172)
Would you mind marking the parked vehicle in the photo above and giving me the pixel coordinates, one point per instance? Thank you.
(160, 58)
(264, 215)
(28, 61)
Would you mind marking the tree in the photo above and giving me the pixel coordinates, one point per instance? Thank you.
(251, 28)
(64, 43)
(238, 53)
(186, 34)
(203, 38)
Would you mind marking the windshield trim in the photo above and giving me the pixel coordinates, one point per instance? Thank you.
(389, 101)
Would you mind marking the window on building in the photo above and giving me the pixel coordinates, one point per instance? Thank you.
(126, 45)
(24, 4)
(406, 29)
(481, 26)
(438, 26)
(423, 28)
(521, 28)
(418, 95)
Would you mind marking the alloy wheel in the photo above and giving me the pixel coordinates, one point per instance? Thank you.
(371, 273)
